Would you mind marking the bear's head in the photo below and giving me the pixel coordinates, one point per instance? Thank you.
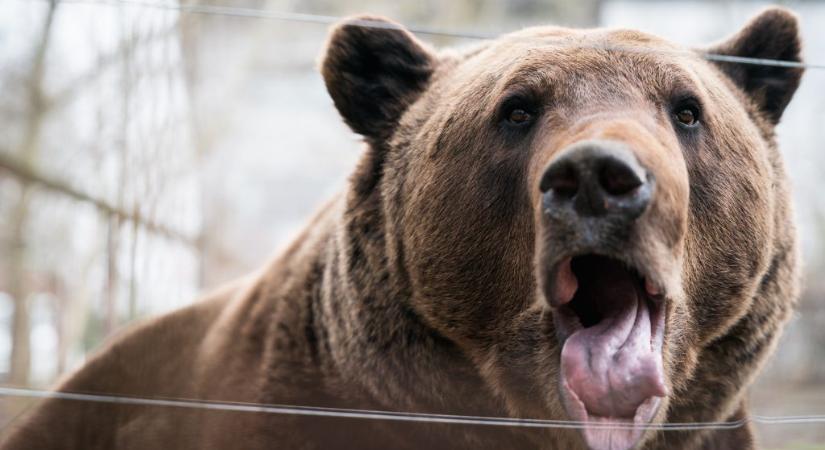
(582, 214)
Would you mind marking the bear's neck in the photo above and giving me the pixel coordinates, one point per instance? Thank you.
(361, 339)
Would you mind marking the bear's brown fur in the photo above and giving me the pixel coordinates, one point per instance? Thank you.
(423, 287)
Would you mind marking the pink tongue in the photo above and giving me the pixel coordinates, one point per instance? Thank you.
(614, 366)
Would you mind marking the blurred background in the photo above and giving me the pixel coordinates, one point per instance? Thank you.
(149, 153)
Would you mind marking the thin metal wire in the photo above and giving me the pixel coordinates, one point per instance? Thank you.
(397, 416)
(255, 13)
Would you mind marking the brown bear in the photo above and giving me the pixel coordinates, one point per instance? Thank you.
(586, 226)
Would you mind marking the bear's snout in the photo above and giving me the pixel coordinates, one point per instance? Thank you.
(597, 185)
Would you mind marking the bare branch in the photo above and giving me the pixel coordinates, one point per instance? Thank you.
(29, 174)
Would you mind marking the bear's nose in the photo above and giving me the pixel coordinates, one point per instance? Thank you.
(596, 179)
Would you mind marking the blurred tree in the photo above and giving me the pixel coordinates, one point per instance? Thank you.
(27, 152)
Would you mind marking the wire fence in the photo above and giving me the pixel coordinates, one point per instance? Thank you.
(253, 13)
(32, 175)
(21, 171)
(401, 416)
(121, 169)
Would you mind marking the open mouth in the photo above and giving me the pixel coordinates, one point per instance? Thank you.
(611, 321)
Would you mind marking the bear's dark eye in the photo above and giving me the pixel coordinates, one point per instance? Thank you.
(687, 114)
(518, 111)
(519, 116)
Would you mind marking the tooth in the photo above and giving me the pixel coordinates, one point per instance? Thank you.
(651, 288)
(566, 283)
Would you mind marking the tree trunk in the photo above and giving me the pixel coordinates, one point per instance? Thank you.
(20, 363)
(18, 289)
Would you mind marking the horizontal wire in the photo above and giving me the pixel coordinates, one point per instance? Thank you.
(255, 13)
(397, 416)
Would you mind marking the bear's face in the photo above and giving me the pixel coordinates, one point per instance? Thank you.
(580, 212)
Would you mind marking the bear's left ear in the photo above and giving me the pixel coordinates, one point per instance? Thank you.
(773, 34)
(374, 69)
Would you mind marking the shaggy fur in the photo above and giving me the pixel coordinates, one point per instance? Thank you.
(416, 289)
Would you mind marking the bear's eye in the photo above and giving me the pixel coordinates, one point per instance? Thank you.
(518, 112)
(519, 116)
(687, 114)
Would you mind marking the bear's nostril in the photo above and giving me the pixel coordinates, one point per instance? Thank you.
(562, 179)
(617, 178)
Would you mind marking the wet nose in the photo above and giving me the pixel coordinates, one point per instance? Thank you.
(596, 180)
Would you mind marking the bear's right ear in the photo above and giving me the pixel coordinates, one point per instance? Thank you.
(374, 69)
(773, 34)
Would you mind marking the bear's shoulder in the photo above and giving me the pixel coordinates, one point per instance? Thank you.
(160, 358)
